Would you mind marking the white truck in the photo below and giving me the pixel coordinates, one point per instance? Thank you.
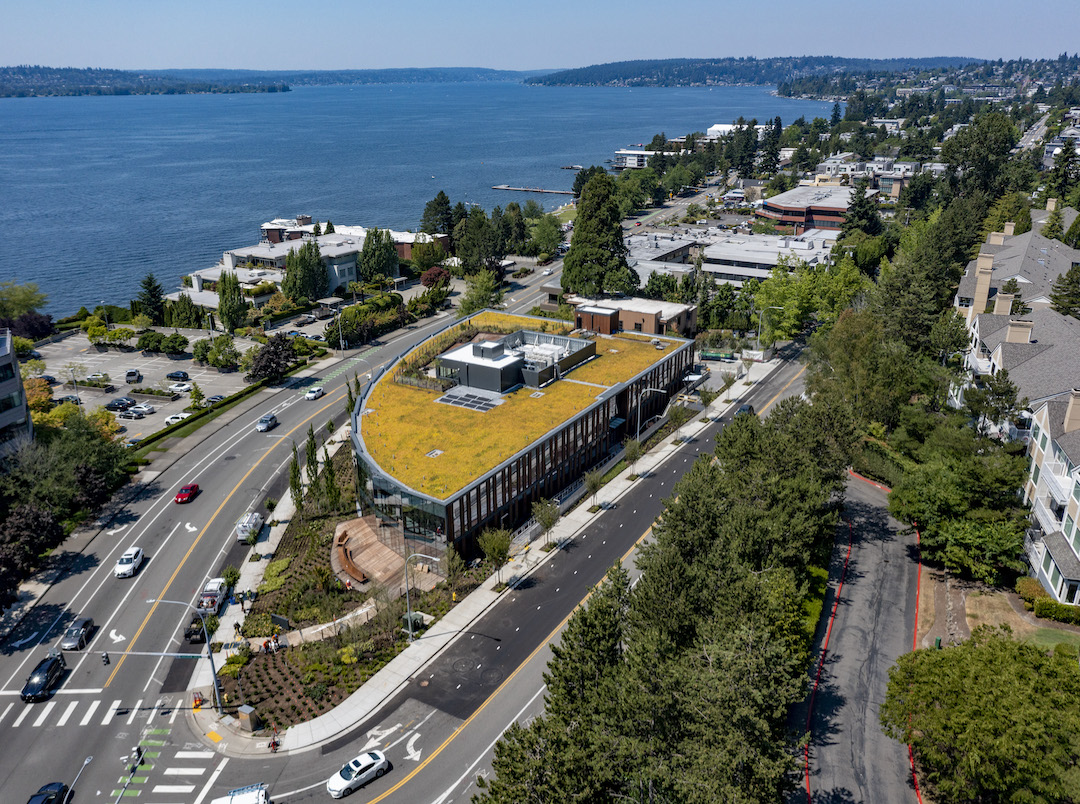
(213, 595)
(251, 794)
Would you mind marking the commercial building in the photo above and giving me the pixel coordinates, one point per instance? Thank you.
(15, 422)
(738, 258)
(468, 429)
(809, 207)
(633, 314)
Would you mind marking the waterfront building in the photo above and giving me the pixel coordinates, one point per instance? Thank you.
(15, 422)
(809, 207)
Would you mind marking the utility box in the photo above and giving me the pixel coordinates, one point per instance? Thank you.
(417, 622)
(249, 718)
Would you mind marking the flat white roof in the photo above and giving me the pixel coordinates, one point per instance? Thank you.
(464, 354)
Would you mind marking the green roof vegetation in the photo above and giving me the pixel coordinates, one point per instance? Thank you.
(406, 424)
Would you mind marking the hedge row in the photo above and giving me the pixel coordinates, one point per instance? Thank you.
(1037, 599)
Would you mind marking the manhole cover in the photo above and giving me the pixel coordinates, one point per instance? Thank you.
(491, 677)
(463, 665)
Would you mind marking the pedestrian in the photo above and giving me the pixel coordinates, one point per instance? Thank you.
(236, 628)
(266, 646)
(244, 610)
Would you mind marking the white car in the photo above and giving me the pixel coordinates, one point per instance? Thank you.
(97, 377)
(357, 773)
(180, 387)
(129, 562)
(547, 272)
(315, 393)
(145, 408)
(176, 417)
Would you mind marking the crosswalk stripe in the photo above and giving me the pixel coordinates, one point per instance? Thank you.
(19, 719)
(6, 710)
(194, 755)
(185, 771)
(173, 788)
(44, 713)
(90, 712)
(67, 713)
(135, 711)
(111, 713)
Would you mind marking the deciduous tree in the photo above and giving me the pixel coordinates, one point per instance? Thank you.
(482, 290)
(378, 257)
(274, 359)
(231, 304)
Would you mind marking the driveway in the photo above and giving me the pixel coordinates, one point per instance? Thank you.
(851, 761)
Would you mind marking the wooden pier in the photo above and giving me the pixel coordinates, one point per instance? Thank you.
(531, 190)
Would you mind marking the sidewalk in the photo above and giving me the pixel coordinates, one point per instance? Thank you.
(224, 734)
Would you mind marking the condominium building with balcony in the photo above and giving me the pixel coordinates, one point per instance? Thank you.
(15, 422)
(1052, 489)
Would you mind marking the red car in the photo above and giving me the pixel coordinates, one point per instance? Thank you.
(187, 493)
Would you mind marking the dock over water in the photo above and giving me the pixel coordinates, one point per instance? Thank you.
(531, 189)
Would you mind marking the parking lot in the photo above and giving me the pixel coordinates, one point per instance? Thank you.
(76, 351)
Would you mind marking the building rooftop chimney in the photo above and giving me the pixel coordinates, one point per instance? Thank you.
(1019, 331)
(1003, 303)
(997, 239)
(1051, 204)
(984, 269)
(1010, 228)
(1072, 412)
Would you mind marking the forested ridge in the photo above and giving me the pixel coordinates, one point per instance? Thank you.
(718, 71)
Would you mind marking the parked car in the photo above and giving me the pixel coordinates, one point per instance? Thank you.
(177, 375)
(129, 562)
(130, 413)
(315, 393)
(266, 423)
(250, 523)
(132, 376)
(50, 379)
(213, 595)
(356, 773)
(120, 403)
(78, 634)
(745, 410)
(44, 677)
(209, 402)
(180, 387)
(316, 337)
(145, 408)
(74, 400)
(187, 493)
(97, 376)
(176, 418)
(51, 793)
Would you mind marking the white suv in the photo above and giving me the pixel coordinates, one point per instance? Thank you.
(129, 562)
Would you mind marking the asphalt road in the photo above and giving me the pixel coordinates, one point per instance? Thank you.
(439, 731)
(851, 759)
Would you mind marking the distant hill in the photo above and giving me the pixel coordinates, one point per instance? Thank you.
(31, 81)
(711, 72)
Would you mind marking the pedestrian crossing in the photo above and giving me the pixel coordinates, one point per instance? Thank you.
(168, 774)
(60, 713)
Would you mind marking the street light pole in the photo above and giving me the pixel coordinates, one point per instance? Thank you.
(206, 636)
(408, 603)
(71, 789)
(637, 435)
(341, 338)
(759, 312)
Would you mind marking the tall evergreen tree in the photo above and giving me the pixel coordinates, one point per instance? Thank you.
(378, 257)
(1053, 227)
(437, 218)
(185, 313)
(1065, 174)
(582, 178)
(152, 299)
(231, 304)
(862, 213)
(836, 117)
(477, 247)
(596, 261)
(329, 227)
(1065, 293)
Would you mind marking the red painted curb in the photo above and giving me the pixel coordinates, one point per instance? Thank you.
(821, 660)
(876, 485)
(915, 646)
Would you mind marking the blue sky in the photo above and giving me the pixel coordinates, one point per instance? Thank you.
(509, 34)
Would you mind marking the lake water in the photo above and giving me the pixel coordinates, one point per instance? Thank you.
(98, 191)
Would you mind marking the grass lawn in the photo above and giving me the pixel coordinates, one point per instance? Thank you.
(406, 423)
(992, 608)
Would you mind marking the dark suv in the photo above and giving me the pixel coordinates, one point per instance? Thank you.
(43, 678)
(120, 403)
(52, 793)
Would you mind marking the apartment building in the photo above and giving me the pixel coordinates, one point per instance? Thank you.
(15, 422)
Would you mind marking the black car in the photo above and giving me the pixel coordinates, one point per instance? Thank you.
(52, 793)
(129, 414)
(51, 380)
(43, 678)
(177, 375)
(120, 403)
(745, 410)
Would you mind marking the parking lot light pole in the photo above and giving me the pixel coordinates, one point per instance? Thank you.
(71, 788)
(408, 603)
(206, 636)
(105, 312)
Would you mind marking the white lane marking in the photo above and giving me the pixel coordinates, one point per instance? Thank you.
(449, 791)
(410, 731)
(44, 713)
(6, 710)
(22, 642)
(172, 717)
(193, 755)
(115, 637)
(217, 773)
(26, 711)
(67, 713)
(89, 713)
(173, 788)
(111, 713)
(185, 772)
(411, 751)
(134, 711)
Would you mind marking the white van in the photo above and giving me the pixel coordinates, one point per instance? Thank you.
(247, 525)
(252, 794)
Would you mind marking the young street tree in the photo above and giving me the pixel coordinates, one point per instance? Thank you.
(596, 261)
(231, 304)
(546, 514)
(482, 290)
(296, 482)
(495, 543)
(151, 299)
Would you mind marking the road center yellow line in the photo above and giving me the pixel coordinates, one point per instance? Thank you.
(547, 640)
(194, 544)
(786, 386)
